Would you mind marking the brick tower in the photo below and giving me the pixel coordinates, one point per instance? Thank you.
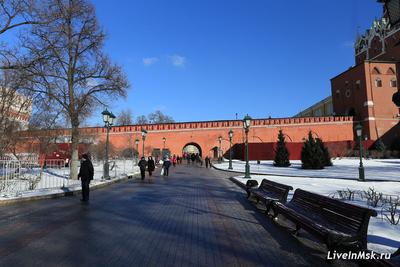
(365, 90)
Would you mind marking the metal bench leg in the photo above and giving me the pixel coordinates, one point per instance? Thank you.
(296, 231)
(267, 206)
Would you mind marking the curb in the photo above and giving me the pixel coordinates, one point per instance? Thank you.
(67, 192)
(235, 181)
(302, 176)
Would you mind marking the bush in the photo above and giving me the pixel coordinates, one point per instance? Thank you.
(312, 156)
(281, 153)
(326, 155)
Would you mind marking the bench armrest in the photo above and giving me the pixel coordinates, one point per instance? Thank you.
(251, 183)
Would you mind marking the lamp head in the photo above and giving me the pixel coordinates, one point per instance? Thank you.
(111, 118)
(358, 130)
(246, 122)
(106, 115)
(230, 133)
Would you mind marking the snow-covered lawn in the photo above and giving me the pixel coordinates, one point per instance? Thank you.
(345, 168)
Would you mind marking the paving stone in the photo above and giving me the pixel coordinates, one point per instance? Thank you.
(194, 217)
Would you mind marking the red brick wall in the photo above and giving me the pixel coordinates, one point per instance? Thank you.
(206, 134)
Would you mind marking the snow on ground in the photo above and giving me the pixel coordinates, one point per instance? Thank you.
(345, 168)
(382, 236)
(57, 180)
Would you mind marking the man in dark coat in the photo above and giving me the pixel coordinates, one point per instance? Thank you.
(142, 165)
(86, 173)
(166, 165)
(207, 161)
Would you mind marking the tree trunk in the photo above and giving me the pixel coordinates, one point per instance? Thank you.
(74, 151)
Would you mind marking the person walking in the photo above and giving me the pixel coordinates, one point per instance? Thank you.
(193, 158)
(142, 165)
(86, 173)
(208, 162)
(151, 166)
(174, 160)
(166, 165)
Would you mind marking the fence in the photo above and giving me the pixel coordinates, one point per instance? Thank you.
(18, 176)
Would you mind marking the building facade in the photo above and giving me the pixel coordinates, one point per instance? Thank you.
(321, 109)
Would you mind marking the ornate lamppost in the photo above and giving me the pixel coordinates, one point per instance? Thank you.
(219, 149)
(108, 119)
(246, 127)
(230, 133)
(144, 133)
(361, 175)
(137, 150)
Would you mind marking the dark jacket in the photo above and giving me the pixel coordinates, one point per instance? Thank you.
(142, 164)
(166, 163)
(86, 171)
(151, 165)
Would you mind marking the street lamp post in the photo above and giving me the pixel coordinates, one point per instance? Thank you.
(108, 119)
(361, 175)
(230, 133)
(219, 149)
(144, 133)
(137, 150)
(246, 127)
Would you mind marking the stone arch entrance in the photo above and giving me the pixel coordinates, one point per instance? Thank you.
(192, 148)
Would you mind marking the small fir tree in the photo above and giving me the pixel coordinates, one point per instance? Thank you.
(281, 153)
(326, 155)
(379, 145)
(312, 156)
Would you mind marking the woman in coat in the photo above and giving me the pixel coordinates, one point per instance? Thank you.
(151, 166)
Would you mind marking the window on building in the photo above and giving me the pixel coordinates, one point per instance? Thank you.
(378, 82)
(393, 83)
(376, 71)
(358, 84)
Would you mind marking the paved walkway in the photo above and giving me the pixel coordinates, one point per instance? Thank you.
(196, 217)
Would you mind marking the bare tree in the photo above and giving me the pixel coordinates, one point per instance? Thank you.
(159, 117)
(125, 117)
(142, 120)
(72, 69)
(13, 15)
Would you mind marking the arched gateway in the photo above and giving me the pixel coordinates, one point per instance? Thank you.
(192, 148)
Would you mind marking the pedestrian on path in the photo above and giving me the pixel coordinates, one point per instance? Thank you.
(142, 165)
(207, 160)
(86, 173)
(193, 158)
(174, 160)
(166, 165)
(151, 166)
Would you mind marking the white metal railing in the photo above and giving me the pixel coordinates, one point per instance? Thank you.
(20, 176)
(17, 176)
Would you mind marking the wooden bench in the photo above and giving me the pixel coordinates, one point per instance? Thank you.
(269, 192)
(336, 223)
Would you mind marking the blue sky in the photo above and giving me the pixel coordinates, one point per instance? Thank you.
(209, 59)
